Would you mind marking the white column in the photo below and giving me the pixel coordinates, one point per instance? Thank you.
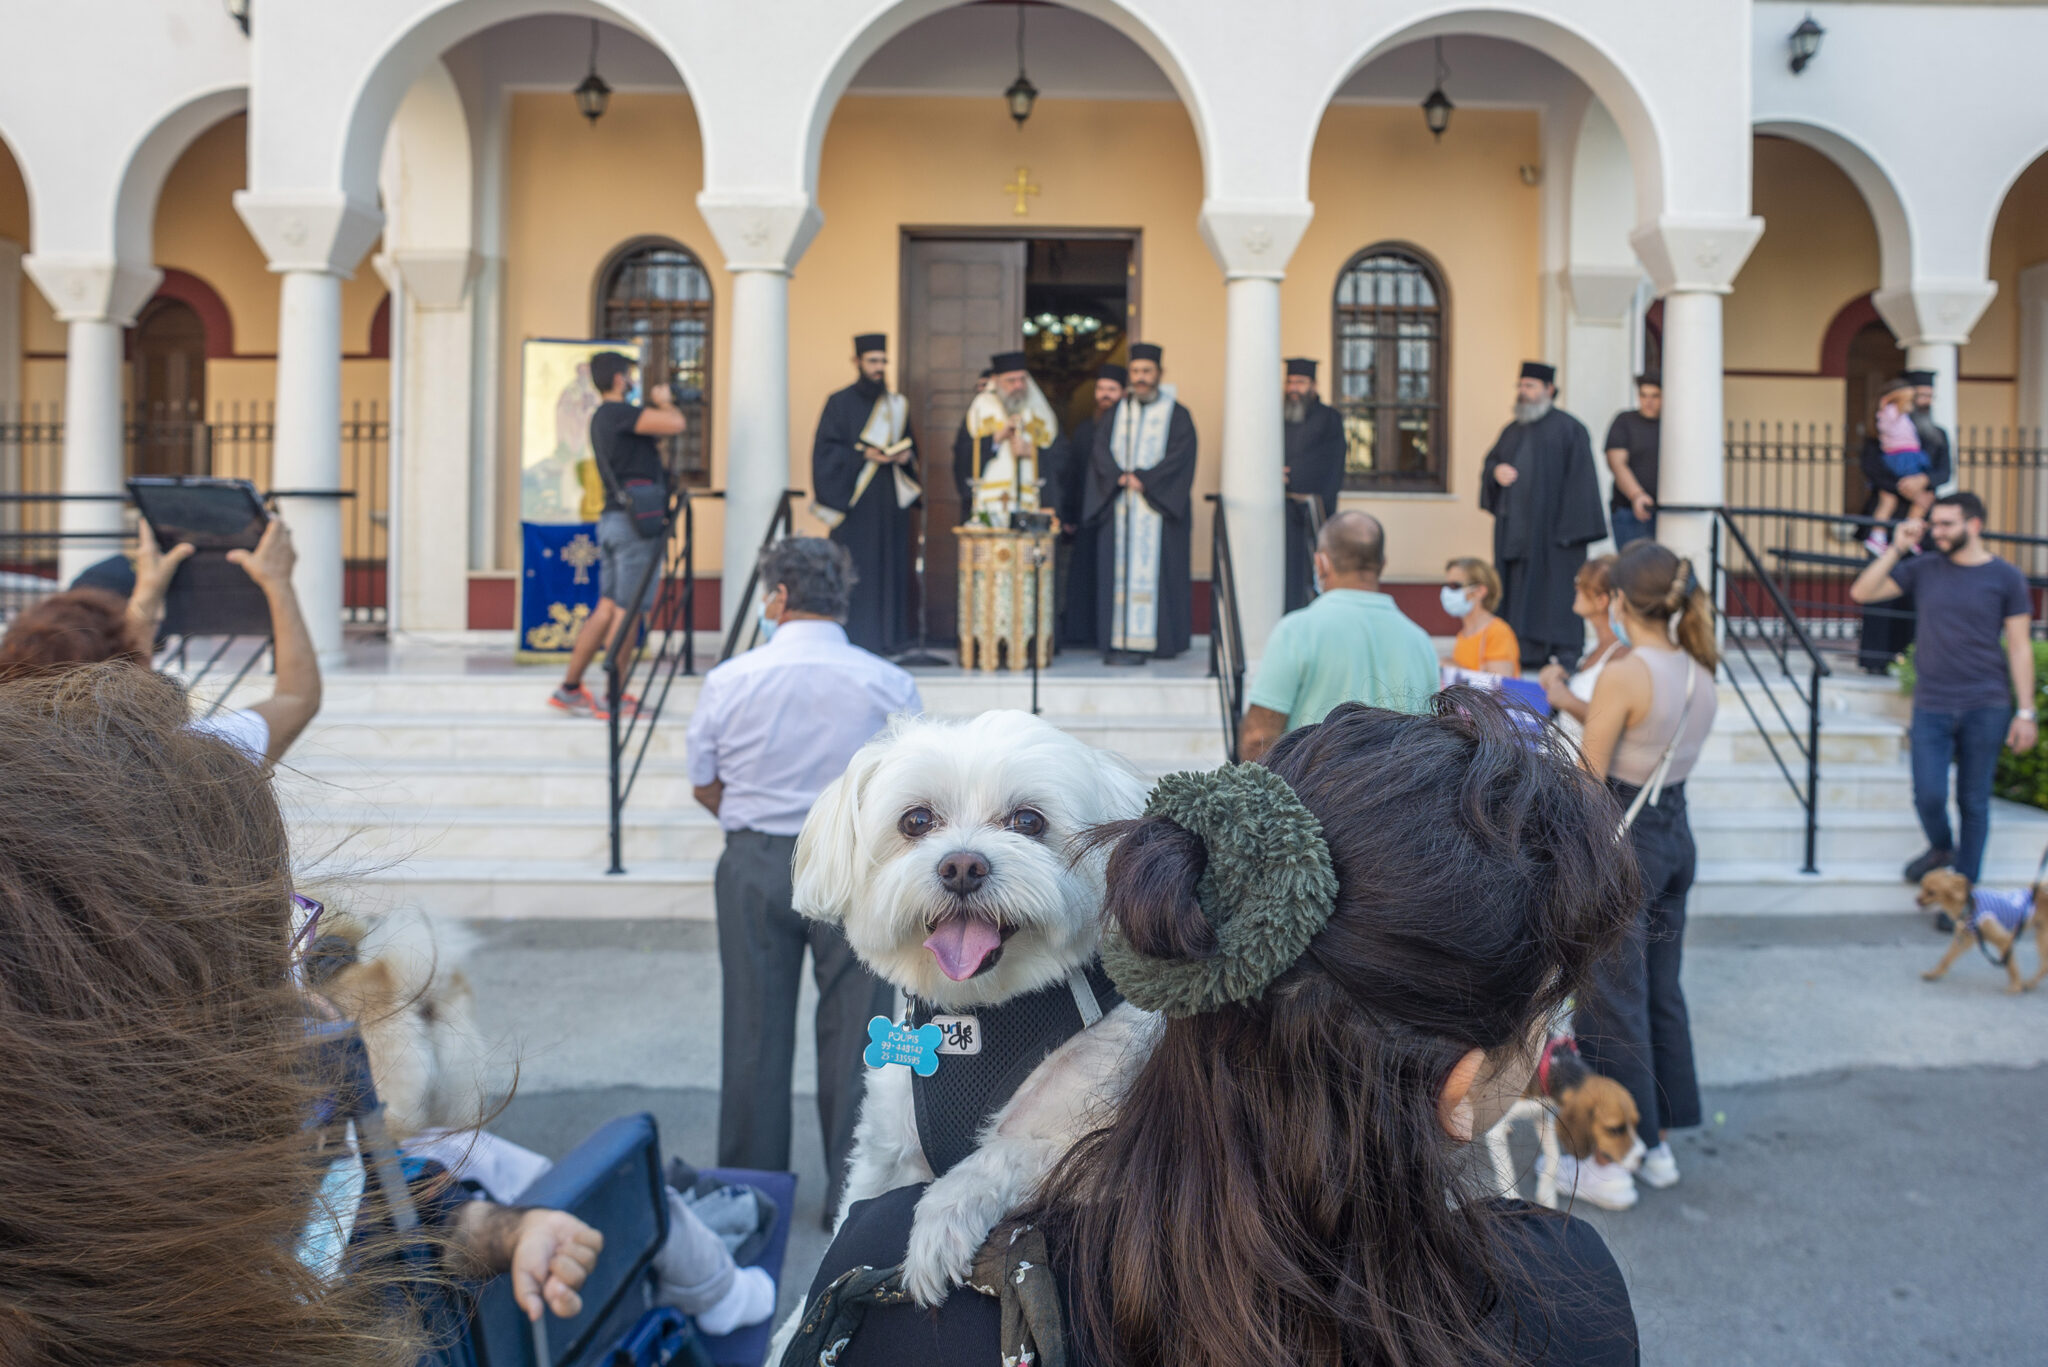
(1252, 241)
(757, 428)
(306, 454)
(1931, 319)
(10, 329)
(1597, 379)
(313, 240)
(431, 373)
(96, 299)
(1693, 261)
(2032, 370)
(762, 236)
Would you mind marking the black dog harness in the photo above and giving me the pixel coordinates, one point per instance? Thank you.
(987, 1053)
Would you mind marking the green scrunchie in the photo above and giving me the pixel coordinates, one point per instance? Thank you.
(1268, 889)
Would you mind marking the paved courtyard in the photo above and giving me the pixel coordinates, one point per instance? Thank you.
(1863, 1193)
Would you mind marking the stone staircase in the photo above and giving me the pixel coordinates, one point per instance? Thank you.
(449, 785)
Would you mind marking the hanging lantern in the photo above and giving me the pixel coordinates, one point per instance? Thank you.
(1022, 94)
(593, 95)
(1436, 110)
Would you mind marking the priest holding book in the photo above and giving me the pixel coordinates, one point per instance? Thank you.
(863, 485)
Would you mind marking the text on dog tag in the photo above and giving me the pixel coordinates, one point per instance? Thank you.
(914, 1047)
(959, 1034)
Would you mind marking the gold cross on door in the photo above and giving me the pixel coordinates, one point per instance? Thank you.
(1022, 187)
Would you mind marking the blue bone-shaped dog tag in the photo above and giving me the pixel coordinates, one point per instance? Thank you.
(916, 1049)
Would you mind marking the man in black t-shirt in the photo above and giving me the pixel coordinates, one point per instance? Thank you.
(1632, 456)
(625, 441)
(1965, 675)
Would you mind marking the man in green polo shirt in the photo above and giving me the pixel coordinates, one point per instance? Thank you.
(1350, 644)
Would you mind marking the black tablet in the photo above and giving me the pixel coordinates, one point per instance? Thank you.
(209, 514)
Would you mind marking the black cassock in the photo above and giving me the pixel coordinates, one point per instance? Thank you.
(1169, 488)
(1069, 488)
(876, 532)
(1315, 465)
(1542, 524)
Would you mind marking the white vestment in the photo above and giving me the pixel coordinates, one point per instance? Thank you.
(1002, 483)
(1137, 441)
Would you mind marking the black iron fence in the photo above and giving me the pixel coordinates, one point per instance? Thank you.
(236, 442)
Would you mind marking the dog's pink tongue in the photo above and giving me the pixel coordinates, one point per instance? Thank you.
(962, 943)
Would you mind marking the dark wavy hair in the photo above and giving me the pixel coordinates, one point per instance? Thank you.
(76, 627)
(1277, 1187)
(155, 1172)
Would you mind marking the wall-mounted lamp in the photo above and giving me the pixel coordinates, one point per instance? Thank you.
(1805, 42)
(1436, 110)
(1022, 94)
(593, 95)
(238, 10)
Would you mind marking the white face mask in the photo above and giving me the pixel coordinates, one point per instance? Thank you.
(1457, 602)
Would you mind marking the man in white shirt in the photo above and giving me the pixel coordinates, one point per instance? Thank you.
(771, 729)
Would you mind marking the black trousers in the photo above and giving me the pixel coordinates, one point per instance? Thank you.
(761, 943)
(1631, 1023)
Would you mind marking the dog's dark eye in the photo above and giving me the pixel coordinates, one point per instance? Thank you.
(1025, 821)
(1617, 1129)
(917, 822)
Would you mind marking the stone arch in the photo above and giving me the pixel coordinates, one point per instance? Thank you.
(142, 178)
(1572, 49)
(876, 33)
(204, 300)
(1872, 180)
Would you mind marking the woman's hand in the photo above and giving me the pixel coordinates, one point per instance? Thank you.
(1553, 677)
(154, 569)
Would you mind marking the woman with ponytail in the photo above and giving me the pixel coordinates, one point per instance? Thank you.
(1354, 948)
(1650, 716)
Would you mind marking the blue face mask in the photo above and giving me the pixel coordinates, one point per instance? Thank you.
(1620, 631)
(633, 393)
(1456, 602)
(767, 626)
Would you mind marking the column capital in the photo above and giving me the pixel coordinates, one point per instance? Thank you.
(1253, 239)
(760, 231)
(1696, 254)
(1934, 312)
(433, 279)
(86, 289)
(1602, 294)
(322, 232)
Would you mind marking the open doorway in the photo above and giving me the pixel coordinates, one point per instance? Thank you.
(1069, 299)
(168, 352)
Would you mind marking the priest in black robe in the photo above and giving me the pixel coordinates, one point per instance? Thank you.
(1540, 487)
(1076, 571)
(863, 485)
(1140, 505)
(1314, 459)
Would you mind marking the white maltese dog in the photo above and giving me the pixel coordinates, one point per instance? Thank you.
(952, 855)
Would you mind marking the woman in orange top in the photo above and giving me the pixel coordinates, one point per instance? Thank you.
(1485, 644)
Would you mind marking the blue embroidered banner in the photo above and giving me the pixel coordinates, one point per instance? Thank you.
(558, 586)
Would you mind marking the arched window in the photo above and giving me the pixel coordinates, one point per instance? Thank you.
(1390, 385)
(654, 291)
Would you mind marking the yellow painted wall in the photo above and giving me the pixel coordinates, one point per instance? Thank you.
(1818, 252)
(574, 192)
(1376, 175)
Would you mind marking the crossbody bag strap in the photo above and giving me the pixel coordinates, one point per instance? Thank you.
(1654, 789)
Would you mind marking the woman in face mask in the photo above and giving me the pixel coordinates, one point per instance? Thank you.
(1571, 695)
(1485, 644)
(1650, 716)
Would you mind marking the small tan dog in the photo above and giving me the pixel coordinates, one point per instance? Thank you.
(1595, 1116)
(1995, 916)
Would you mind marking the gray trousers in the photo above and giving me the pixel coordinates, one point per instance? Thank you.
(761, 943)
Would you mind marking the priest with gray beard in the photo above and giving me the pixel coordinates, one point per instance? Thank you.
(1539, 484)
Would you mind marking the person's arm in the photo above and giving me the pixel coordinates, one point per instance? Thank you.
(709, 795)
(153, 572)
(661, 418)
(700, 742)
(1260, 732)
(550, 1253)
(295, 700)
(2024, 732)
(1558, 690)
(1877, 583)
(1500, 652)
(1621, 697)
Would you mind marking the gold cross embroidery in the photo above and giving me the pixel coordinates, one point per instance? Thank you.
(580, 554)
(1021, 187)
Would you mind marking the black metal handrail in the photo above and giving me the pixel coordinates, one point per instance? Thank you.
(1787, 646)
(1226, 632)
(746, 620)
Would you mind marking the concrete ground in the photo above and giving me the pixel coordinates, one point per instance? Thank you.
(1864, 1191)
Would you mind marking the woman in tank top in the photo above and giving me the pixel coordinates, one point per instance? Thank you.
(1571, 695)
(1657, 699)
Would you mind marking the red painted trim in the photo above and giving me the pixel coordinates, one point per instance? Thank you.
(1421, 604)
(1855, 315)
(492, 603)
(193, 292)
(380, 330)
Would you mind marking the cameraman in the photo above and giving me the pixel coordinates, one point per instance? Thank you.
(625, 442)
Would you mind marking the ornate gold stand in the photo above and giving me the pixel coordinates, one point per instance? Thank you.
(997, 590)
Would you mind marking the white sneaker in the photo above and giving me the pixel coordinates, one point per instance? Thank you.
(1606, 1185)
(1660, 1167)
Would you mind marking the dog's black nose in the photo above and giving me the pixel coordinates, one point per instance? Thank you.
(963, 872)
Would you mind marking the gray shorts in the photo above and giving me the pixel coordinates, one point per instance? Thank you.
(623, 556)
